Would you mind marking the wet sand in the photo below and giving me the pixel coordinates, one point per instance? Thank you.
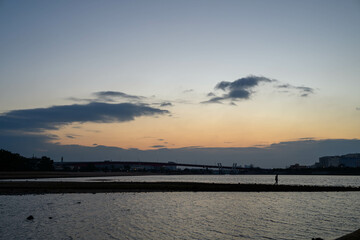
(35, 187)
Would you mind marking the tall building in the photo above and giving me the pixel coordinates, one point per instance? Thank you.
(348, 160)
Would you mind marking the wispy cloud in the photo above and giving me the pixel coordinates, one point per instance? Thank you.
(166, 104)
(72, 136)
(214, 100)
(113, 95)
(109, 97)
(57, 116)
(188, 91)
(158, 146)
(304, 91)
(75, 99)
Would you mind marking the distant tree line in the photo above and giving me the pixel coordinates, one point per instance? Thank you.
(15, 162)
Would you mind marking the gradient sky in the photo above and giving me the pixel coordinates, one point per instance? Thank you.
(175, 74)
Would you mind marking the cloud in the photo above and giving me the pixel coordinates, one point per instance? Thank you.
(108, 96)
(56, 116)
(188, 90)
(243, 89)
(71, 136)
(166, 104)
(238, 89)
(304, 91)
(307, 138)
(358, 108)
(75, 99)
(214, 100)
(242, 83)
(158, 146)
(111, 95)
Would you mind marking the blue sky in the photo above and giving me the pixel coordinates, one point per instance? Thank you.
(62, 54)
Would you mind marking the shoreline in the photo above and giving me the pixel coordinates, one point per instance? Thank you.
(35, 187)
(28, 175)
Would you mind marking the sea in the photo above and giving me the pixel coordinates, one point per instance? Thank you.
(187, 215)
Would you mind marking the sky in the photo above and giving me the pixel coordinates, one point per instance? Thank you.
(265, 82)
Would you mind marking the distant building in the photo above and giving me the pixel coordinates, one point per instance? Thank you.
(297, 166)
(348, 160)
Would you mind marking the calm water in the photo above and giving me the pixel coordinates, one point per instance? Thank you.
(269, 179)
(180, 215)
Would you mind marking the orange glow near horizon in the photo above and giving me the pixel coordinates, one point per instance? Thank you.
(220, 127)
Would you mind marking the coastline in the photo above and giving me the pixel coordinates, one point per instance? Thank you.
(36, 187)
(28, 175)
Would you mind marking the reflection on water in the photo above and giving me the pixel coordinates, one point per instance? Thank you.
(180, 215)
(327, 180)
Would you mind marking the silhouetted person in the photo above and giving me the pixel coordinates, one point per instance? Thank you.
(276, 179)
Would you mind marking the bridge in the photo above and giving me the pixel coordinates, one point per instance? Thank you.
(104, 164)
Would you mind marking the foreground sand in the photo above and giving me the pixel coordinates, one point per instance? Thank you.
(37, 187)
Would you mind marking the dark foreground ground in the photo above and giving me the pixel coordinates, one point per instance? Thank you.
(352, 236)
(34, 187)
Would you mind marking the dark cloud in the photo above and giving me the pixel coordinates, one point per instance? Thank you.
(117, 97)
(214, 100)
(238, 89)
(242, 83)
(303, 91)
(166, 104)
(56, 116)
(358, 108)
(158, 146)
(239, 93)
(110, 95)
(243, 89)
(71, 136)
